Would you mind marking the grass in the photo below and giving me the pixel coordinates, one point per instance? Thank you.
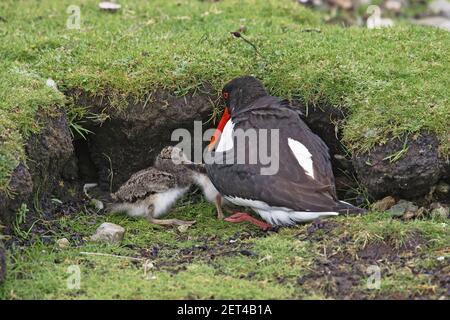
(392, 82)
(218, 260)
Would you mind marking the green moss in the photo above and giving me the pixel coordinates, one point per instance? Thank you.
(22, 94)
(392, 81)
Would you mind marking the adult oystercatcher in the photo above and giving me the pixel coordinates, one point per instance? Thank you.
(303, 187)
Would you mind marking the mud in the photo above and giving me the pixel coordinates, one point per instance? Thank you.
(340, 274)
(207, 249)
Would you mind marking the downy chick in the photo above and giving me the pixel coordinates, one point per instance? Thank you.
(152, 192)
(197, 174)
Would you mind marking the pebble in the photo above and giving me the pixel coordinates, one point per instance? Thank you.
(52, 84)
(109, 6)
(96, 204)
(442, 187)
(109, 233)
(384, 204)
(63, 243)
(439, 211)
(402, 207)
(183, 228)
(408, 215)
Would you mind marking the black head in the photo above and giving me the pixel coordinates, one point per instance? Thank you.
(242, 91)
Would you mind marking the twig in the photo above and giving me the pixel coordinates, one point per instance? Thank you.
(111, 255)
(237, 34)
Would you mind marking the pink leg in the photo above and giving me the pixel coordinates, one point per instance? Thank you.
(242, 216)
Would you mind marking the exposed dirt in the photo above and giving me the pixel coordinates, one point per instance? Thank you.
(129, 140)
(339, 274)
(411, 176)
(21, 186)
(207, 249)
(50, 160)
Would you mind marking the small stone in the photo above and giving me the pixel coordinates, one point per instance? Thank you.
(109, 6)
(384, 204)
(183, 228)
(51, 84)
(439, 211)
(408, 215)
(402, 207)
(109, 232)
(63, 243)
(442, 187)
(393, 5)
(97, 204)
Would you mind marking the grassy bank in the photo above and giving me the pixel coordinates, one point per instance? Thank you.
(391, 82)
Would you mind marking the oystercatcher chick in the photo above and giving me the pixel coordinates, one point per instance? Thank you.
(152, 192)
(301, 189)
(196, 174)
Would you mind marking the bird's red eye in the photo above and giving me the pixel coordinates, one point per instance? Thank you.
(225, 95)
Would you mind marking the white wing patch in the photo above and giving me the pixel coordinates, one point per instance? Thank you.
(226, 138)
(302, 155)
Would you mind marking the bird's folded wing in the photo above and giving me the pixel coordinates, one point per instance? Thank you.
(291, 186)
(144, 183)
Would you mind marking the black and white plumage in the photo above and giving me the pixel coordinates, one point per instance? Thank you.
(303, 188)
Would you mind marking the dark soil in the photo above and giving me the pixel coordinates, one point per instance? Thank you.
(129, 140)
(409, 177)
(50, 160)
(339, 274)
(21, 186)
(207, 249)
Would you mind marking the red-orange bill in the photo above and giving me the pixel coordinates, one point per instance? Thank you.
(223, 121)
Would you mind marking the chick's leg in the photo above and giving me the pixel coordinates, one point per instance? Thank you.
(218, 204)
(165, 222)
(168, 222)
